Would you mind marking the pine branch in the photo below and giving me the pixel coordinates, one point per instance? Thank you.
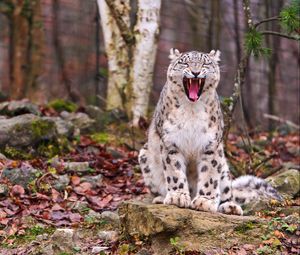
(279, 34)
(123, 27)
(266, 20)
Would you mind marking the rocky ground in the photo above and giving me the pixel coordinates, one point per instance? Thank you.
(70, 184)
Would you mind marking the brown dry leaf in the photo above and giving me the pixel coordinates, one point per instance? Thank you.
(75, 180)
(83, 188)
(279, 234)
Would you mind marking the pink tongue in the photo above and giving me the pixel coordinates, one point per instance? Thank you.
(193, 91)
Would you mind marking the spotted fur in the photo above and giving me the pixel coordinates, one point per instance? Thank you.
(183, 162)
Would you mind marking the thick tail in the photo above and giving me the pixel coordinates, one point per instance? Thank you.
(248, 188)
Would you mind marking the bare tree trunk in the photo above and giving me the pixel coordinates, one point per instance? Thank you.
(35, 48)
(72, 93)
(117, 51)
(237, 30)
(274, 42)
(19, 46)
(131, 54)
(146, 36)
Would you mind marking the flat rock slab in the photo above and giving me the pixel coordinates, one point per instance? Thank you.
(197, 231)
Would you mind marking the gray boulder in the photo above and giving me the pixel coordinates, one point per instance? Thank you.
(63, 127)
(14, 108)
(80, 120)
(25, 130)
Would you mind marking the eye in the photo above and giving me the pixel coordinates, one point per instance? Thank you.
(180, 62)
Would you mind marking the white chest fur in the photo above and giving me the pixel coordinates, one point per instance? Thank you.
(190, 132)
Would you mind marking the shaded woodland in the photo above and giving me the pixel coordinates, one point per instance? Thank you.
(79, 81)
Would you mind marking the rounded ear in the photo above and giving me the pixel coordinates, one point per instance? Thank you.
(174, 53)
(215, 55)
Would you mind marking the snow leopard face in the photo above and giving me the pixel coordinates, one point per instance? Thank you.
(195, 71)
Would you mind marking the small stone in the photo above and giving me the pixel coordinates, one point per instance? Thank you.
(62, 182)
(63, 239)
(3, 190)
(98, 249)
(94, 215)
(108, 235)
(115, 154)
(81, 206)
(110, 216)
(96, 180)
(92, 150)
(77, 166)
(42, 237)
(2, 157)
(22, 176)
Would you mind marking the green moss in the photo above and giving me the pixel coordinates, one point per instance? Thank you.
(101, 137)
(31, 234)
(41, 128)
(62, 105)
(56, 147)
(14, 153)
(245, 227)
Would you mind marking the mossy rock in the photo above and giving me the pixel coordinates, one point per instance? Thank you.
(27, 136)
(14, 108)
(286, 182)
(195, 230)
(62, 105)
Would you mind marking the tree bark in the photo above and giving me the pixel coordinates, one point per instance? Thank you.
(131, 54)
(19, 46)
(26, 45)
(117, 52)
(274, 43)
(146, 34)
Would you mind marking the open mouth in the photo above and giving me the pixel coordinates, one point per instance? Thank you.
(193, 87)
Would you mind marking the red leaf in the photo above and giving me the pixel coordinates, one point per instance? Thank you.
(17, 191)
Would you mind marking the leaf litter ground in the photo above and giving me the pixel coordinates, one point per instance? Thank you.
(122, 180)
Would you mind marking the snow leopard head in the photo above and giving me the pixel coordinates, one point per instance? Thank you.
(195, 71)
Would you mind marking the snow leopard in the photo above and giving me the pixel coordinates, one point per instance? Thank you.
(183, 161)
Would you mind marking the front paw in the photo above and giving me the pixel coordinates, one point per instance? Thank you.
(230, 208)
(179, 198)
(201, 203)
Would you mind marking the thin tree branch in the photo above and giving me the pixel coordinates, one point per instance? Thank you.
(124, 28)
(266, 20)
(279, 34)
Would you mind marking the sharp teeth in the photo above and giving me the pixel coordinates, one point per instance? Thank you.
(190, 81)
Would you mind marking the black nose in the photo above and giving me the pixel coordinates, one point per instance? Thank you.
(196, 74)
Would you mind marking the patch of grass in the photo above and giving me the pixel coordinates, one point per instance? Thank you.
(31, 234)
(175, 243)
(245, 227)
(62, 105)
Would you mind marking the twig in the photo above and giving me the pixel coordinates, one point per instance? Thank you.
(263, 162)
(287, 122)
(266, 20)
(279, 34)
(271, 172)
(39, 180)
